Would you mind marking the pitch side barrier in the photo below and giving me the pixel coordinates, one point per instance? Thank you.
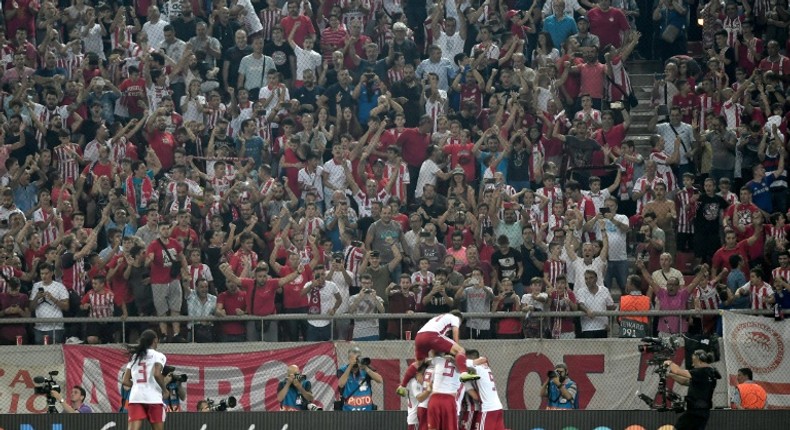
(385, 420)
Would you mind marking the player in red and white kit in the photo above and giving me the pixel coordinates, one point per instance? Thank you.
(431, 337)
(425, 397)
(446, 388)
(491, 416)
(419, 392)
(144, 375)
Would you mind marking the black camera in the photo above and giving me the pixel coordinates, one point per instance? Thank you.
(364, 361)
(551, 374)
(508, 293)
(300, 377)
(45, 385)
(176, 377)
(223, 405)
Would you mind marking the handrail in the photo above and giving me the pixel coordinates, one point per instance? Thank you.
(410, 316)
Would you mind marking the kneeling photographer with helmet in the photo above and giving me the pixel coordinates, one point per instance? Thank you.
(294, 392)
(559, 389)
(701, 380)
(175, 391)
(353, 381)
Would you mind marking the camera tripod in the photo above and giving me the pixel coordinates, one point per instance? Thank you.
(51, 402)
(665, 399)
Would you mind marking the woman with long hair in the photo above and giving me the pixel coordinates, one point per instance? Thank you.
(143, 377)
(545, 53)
(347, 122)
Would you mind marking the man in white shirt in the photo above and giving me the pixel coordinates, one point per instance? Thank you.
(430, 171)
(344, 279)
(616, 226)
(491, 416)
(155, 27)
(676, 127)
(324, 299)
(452, 38)
(593, 298)
(49, 299)
(588, 261)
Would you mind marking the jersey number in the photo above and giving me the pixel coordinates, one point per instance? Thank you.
(143, 373)
(449, 369)
(491, 377)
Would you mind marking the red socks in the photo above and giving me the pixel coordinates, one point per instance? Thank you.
(411, 371)
(460, 362)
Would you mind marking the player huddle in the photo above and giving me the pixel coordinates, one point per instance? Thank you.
(453, 389)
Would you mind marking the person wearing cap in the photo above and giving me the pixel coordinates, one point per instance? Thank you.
(584, 37)
(559, 389)
(401, 44)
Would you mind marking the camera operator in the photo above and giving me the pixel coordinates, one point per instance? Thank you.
(294, 393)
(701, 380)
(354, 383)
(76, 403)
(559, 389)
(202, 406)
(175, 394)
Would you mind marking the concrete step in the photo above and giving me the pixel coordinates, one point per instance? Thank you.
(641, 79)
(644, 66)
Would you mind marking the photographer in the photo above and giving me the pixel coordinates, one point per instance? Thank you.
(559, 389)
(354, 383)
(202, 406)
(294, 393)
(76, 404)
(175, 392)
(701, 380)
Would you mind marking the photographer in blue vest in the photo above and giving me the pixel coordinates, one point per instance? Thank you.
(294, 393)
(559, 389)
(354, 383)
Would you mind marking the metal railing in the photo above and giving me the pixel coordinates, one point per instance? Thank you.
(542, 316)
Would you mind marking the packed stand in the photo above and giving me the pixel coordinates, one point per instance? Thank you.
(357, 157)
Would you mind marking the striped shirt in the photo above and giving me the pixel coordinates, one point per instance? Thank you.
(553, 195)
(332, 37)
(8, 273)
(394, 75)
(552, 269)
(198, 271)
(663, 169)
(640, 186)
(620, 78)
(707, 296)
(782, 273)
(50, 232)
(270, 18)
(687, 210)
(422, 279)
(311, 226)
(102, 304)
(759, 294)
(400, 185)
(353, 259)
(68, 167)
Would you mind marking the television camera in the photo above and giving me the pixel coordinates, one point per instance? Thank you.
(221, 406)
(661, 350)
(45, 386)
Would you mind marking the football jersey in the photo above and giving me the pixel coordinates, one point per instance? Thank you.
(486, 389)
(145, 389)
(427, 381)
(446, 377)
(441, 324)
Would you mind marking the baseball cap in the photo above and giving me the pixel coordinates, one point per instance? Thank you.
(399, 26)
(511, 13)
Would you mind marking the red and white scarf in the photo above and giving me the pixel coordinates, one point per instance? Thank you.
(147, 190)
(314, 306)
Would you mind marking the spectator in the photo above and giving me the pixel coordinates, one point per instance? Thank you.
(748, 394)
(324, 299)
(476, 297)
(400, 300)
(559, 25)
(200, 303)
(506, 301)
(13, 304)
(562, 299)
(50, 300)
(162, 257)
(364, 303)
(594, 298)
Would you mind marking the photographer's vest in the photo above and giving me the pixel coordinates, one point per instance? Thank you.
(752, 395)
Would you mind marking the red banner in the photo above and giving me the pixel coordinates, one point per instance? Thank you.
(251, 377)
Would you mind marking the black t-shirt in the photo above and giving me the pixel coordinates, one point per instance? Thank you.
(185, 30)
(346, 101)
(703, 383)
(518, 167)
(308, 96)
(281, 54)
(708, 215)
(411, 109)
(530, 270)
(30, 148)
(233, 56)
(506, 265)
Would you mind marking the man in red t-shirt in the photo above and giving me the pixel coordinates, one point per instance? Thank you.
(162, 142)
(721, 259)
(232, 302)
(161, 255)
(414, 143)
(260, 293)
(133, 93)
(305, 27)
(739, 216)
(293, 300)
(608, 23)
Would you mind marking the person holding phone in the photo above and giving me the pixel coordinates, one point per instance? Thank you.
(50, 299)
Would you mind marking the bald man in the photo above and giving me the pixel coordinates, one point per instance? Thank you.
(294, 392)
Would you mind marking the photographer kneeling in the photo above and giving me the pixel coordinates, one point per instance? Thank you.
(76, 404)
(559, 389)
(354, 383)
(176, 393)
(701, 380)
(294, 393)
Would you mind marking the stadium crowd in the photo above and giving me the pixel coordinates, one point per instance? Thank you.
(356, 157)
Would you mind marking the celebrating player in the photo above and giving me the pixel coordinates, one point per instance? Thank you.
(419, 390)
(490, 417)
(431, 337)
(144, 375)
